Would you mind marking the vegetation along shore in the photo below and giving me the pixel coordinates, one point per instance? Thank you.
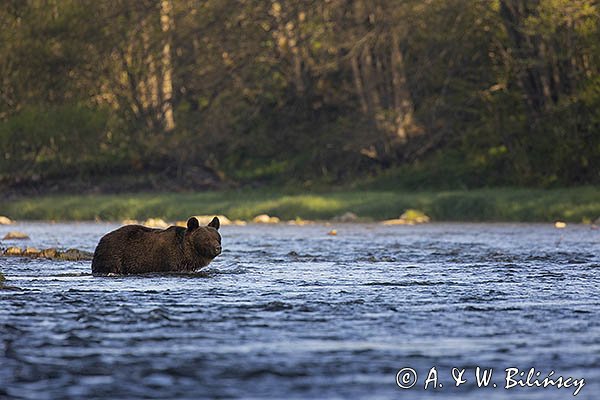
(580, 205)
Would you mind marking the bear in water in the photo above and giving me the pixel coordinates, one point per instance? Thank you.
(135, 249)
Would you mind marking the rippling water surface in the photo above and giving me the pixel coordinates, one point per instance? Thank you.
(290, 312)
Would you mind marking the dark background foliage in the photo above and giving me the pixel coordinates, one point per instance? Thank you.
(122, 95)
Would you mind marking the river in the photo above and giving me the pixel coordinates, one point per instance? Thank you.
(292, 312)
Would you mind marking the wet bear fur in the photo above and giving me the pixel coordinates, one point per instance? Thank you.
(136, 249)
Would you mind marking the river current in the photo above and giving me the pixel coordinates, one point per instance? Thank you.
(292, 312)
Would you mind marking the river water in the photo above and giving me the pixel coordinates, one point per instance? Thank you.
(291, 312)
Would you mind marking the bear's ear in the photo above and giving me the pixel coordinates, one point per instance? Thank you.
(215, 223)
(192, 224)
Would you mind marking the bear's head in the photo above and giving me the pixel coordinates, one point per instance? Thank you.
(205, 240)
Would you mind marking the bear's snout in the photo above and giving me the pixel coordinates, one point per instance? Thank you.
(217, 250)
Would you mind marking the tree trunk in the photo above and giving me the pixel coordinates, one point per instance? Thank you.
(166, 21)
(358, 85)
(403, 104)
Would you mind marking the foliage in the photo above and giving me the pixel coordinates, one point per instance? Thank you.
(41, 140)
(524, 205)
(444, 94)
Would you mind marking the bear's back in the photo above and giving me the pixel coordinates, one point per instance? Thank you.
(130, 240)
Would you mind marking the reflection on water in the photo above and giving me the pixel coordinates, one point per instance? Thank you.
(292, 311)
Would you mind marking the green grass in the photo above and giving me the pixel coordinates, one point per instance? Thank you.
(505, 204)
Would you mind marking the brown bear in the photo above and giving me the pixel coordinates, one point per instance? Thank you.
(135, 249)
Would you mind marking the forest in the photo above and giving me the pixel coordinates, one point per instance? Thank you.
(119, 95)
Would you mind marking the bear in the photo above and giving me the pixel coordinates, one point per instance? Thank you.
(136, 249)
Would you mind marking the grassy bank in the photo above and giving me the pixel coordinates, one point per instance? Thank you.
(573, 204)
